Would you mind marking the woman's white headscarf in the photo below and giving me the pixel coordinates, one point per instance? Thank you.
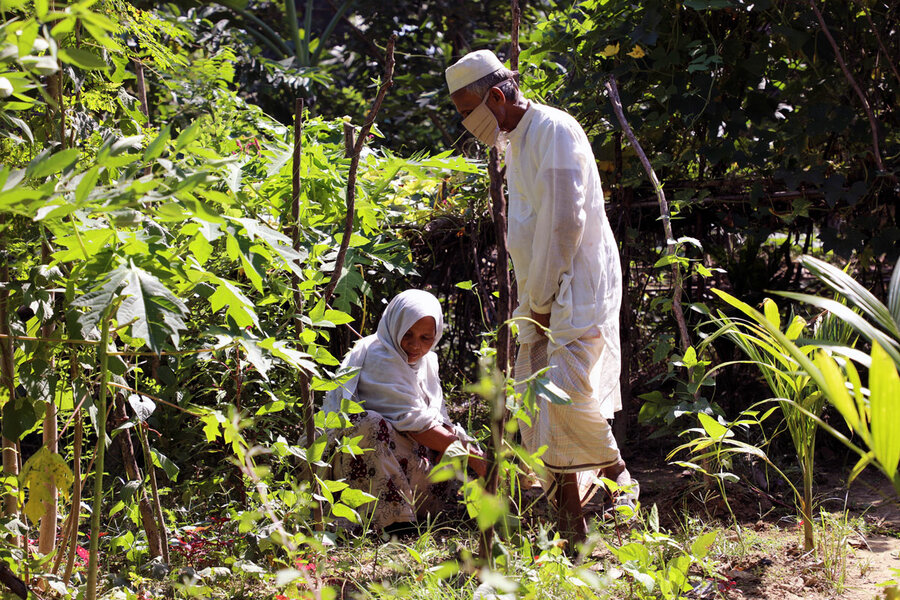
(407, 395)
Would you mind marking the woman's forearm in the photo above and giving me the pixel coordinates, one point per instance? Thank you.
(439, 438)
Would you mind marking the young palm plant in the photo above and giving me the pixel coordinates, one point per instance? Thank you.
(800, 400)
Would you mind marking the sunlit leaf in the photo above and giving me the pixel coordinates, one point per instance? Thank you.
(884, 385)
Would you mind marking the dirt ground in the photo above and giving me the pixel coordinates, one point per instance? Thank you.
(780, 570)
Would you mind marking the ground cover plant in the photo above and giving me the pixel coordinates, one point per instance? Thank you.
(202, 206)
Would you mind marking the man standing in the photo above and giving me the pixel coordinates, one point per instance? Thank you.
(567, 272)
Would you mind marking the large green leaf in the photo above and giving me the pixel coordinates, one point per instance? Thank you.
(83, 59)
(46, 164)
(884, 385)
(890, 341)
(240, 307)
(853, 292)
(154, 312)
(894, 294)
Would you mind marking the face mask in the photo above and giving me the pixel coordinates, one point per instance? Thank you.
(482, 123)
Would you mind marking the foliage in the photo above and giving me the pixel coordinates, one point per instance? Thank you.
(869, 412)
(796, 395)
(660, 564)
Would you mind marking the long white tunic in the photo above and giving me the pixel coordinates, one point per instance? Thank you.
(564, 255)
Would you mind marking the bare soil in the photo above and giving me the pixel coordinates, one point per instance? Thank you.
(776, 568)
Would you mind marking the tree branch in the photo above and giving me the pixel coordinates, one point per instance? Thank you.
(873, 124)
(613, 90)
(504, 309)
(354, 166)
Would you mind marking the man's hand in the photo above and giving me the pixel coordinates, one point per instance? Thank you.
(543, 319)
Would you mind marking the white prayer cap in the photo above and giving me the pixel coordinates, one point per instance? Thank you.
(472, 67)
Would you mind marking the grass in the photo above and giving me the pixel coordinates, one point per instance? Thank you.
(437, 562)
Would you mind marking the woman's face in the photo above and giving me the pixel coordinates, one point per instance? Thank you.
(418, 340)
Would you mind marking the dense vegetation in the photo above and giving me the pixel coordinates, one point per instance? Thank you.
(180, 276)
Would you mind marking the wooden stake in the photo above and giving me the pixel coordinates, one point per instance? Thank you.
(504, 308)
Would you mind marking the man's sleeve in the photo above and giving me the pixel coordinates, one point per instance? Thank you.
(560, 194)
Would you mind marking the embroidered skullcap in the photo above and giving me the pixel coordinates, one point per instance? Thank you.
(470, 68)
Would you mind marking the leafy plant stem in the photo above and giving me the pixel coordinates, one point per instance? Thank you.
(75, 510)
(7, 379)
(677, 277)
(97, 507)
(47, 538)
(294, 232)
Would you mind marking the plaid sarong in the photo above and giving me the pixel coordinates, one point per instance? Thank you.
(578, 437)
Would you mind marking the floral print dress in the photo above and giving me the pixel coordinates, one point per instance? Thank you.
(395, 471)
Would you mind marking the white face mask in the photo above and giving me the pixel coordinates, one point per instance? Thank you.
(482, 123)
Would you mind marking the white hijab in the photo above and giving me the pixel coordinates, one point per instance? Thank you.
(407, 395)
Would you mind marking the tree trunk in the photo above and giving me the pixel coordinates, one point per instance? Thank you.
(148, 517)
(7, 385)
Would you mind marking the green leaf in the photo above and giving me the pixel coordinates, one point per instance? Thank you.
(19, 417)
(836, 391)
(550, 391)
(43, 470)
(240, 308)
(129, 489)
(142, 406)
(83, 59)
(163, 462)
(6, 5)
(798, 324)
(770, 309)
(153, 311)
(894, 294)
(689, 359)
(87, 183)
(47, 164)
(188, 135)
(342, 510)
(156, 147)
(854, 293)
(712, 427)
(700, 547)
(465, 285)
(653, 519)
(354, 498)
(337, 317)
(884, 399)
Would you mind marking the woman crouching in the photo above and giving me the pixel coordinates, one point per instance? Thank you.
(405, 428)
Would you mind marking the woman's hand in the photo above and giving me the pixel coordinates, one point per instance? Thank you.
(477, 462)
(439, 438)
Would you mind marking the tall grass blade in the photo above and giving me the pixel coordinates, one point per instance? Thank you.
(832, 384)
(890, 343)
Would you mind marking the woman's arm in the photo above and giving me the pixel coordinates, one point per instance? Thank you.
(439, 438)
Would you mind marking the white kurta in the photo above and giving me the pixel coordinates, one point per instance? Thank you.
(564, 255)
